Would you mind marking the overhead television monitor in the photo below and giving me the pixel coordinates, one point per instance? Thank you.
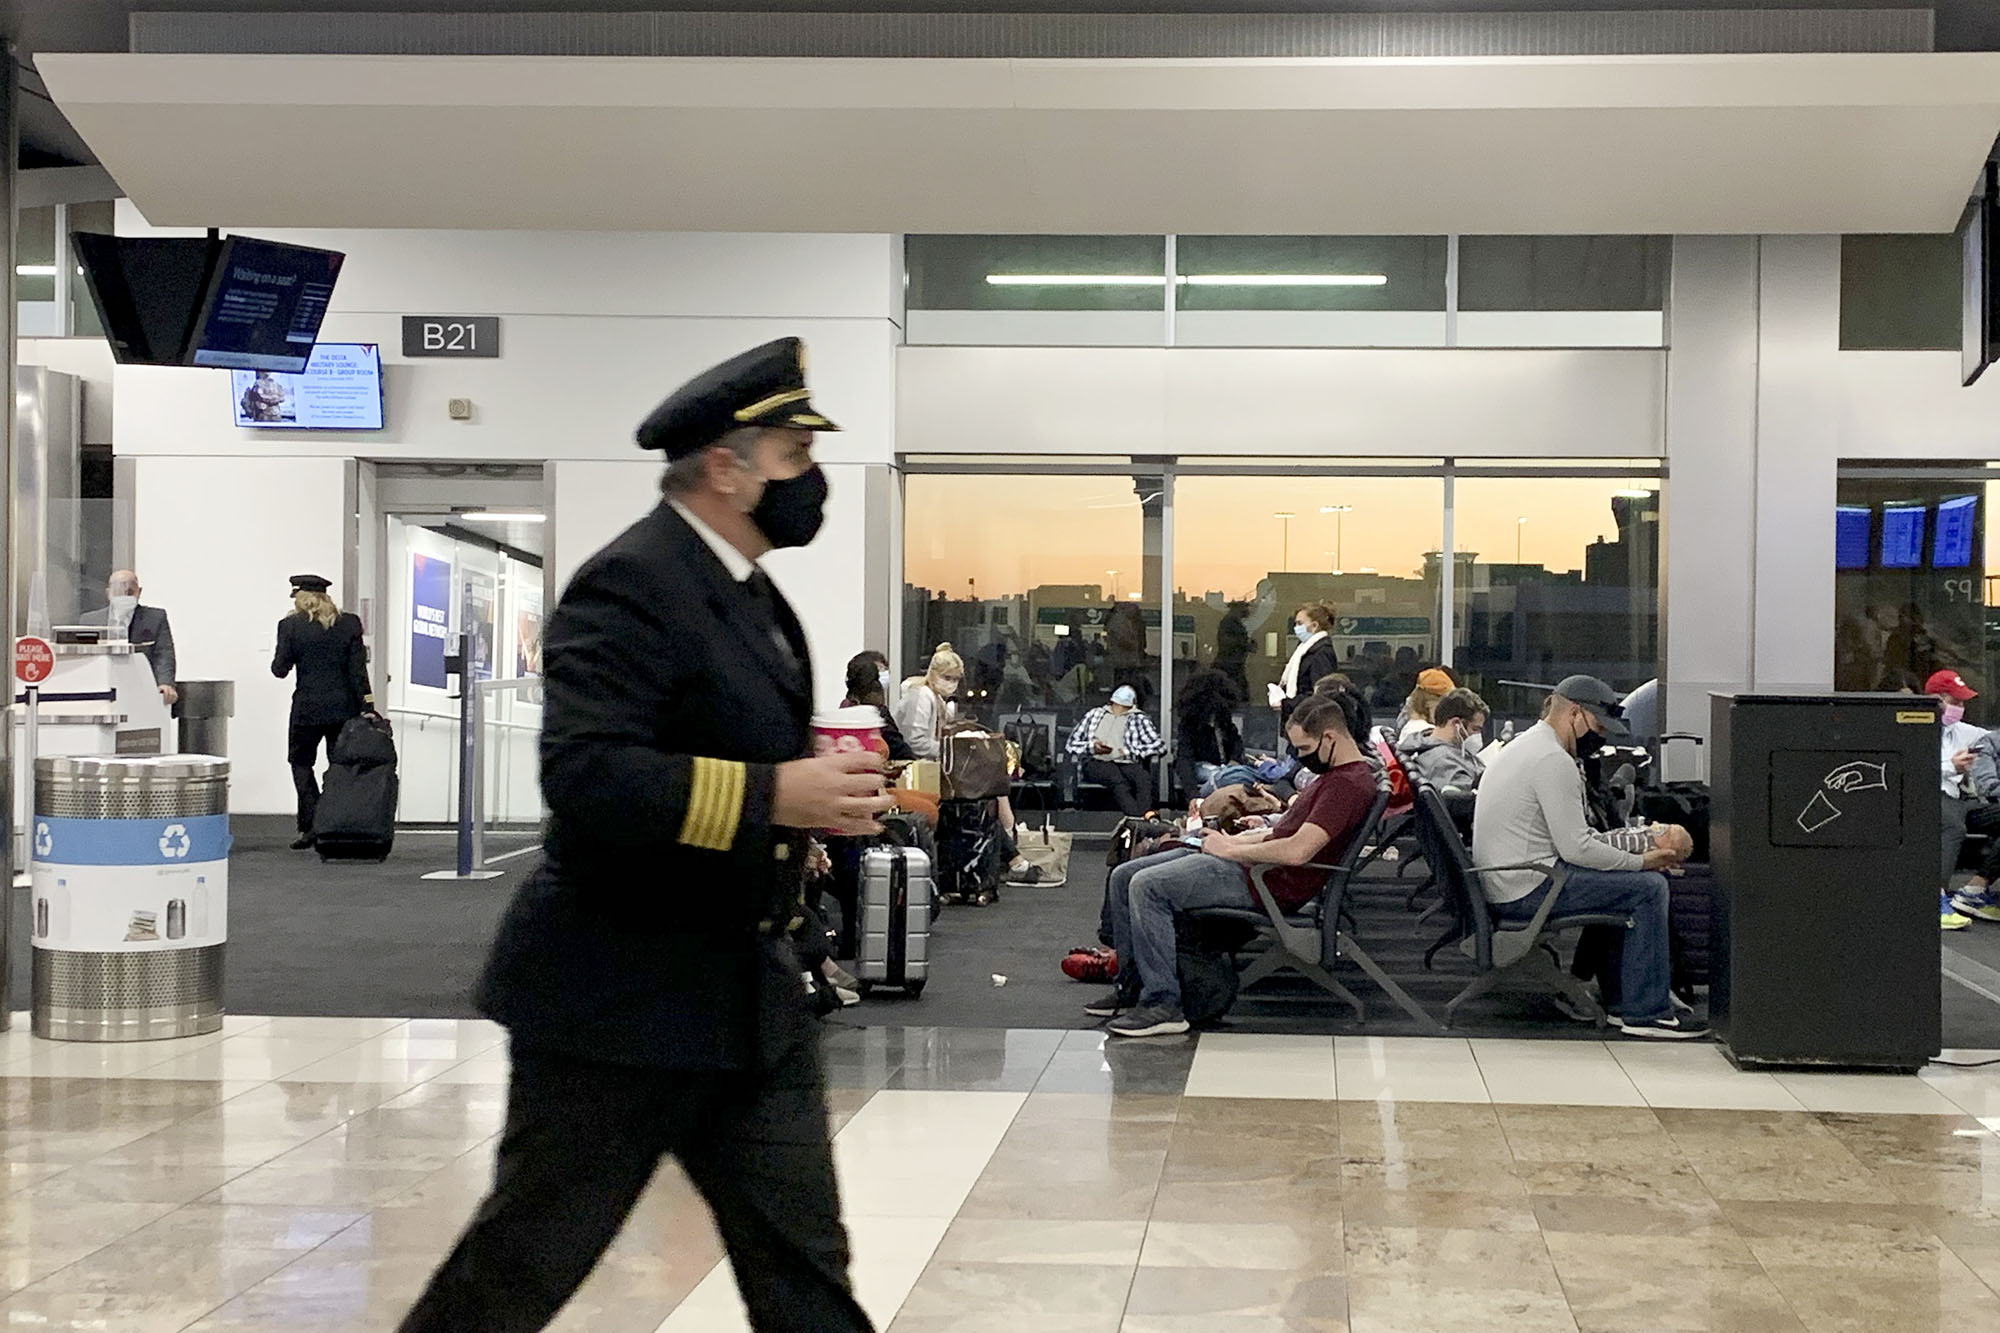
(1903, 536)
(1951, 542)
(238, 304)
(264, 305)
(1852, 527)
(340, 389)
(1979, 251)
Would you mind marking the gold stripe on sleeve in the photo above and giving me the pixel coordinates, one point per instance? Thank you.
(695, 828)
(732, 807)
(715, 804)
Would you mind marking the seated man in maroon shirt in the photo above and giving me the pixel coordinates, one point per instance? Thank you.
(1147, 892)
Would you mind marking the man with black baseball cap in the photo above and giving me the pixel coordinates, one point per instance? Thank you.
(1531, 812)
(653, 1003)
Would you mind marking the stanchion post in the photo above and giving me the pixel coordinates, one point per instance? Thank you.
(468, 720)
(468, 765)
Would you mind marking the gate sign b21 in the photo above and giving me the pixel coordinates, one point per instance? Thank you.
(451, 335)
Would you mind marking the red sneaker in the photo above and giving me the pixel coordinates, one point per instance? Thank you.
(1098, 965)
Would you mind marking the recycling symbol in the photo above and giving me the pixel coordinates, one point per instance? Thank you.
(44, 841)
(174, 841)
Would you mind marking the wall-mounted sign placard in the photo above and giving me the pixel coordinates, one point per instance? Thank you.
(451, 335)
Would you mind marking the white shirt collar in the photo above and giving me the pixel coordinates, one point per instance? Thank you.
(740, 567)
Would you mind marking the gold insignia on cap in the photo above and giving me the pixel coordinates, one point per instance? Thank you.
(810, 420)
(715, 805)
(765, 405)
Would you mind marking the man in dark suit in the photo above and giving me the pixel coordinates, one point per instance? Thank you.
(145, 626)
(642, 972)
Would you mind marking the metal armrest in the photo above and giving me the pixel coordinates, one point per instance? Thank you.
(1558, 874)
(1301, 942)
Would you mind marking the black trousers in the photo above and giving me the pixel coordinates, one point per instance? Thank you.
(582, 1141)
(1966, 816)
(302, 752)
(1131, 784)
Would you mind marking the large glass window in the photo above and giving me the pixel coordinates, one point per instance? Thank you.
(35, 273)
(1250, 551)
(1050, 586)
(1047, 586)
(1555, 576)
(1563, 272)
(1899, 293)
(1914, 557)
(98, 217)
(1057, 291)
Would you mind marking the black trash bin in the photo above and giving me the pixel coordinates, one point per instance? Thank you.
(204, 710)
(1825, 828)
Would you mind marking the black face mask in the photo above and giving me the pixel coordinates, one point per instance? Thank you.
(1588, 744)
(1312, 763)
(790, 512)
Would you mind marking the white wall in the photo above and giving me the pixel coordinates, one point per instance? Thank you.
(596, 329)
(1263, 402)
(220, 537)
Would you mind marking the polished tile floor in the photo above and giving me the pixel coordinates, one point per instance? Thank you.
(306, 1174)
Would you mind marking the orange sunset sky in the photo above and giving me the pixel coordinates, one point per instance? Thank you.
(1011, 533)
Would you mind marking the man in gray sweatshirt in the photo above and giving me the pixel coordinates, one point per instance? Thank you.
(1531, 811)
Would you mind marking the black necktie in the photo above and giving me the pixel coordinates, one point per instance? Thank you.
(763, 596)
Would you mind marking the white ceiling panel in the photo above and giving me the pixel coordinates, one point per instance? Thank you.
(1667, 144)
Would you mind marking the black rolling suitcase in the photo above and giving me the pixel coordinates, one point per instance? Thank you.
(356, 818)
(1690, 925)
(1684, 803)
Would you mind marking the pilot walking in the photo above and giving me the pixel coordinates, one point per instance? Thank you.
(323, 644)
(653, 1003)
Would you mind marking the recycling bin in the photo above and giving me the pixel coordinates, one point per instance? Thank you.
(129, 896)
(1824, 829)
(204, 711)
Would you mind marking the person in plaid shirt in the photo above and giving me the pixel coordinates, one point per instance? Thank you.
(1117, 743)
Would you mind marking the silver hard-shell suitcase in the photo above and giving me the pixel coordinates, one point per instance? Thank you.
(895, 912)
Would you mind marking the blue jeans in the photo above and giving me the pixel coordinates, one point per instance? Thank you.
(1145, 894)
(1644, 967)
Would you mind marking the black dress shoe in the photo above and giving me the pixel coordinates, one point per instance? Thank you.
(305, 843)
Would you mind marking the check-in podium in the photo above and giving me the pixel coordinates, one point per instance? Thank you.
(101, 699)
(1825, 825)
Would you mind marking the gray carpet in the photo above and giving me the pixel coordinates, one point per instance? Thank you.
(361, 940)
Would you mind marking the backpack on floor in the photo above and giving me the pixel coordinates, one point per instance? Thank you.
(1204, 959)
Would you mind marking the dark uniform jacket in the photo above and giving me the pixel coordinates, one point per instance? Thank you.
(332, 664)
(150, 633)
(651, 932)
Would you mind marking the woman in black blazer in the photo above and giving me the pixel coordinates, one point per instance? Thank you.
(324, 645)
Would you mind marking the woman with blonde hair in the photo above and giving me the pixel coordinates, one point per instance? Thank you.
(324, 646)
(922, 713)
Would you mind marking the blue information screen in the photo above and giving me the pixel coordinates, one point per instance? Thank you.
(1951, 546)
(1903, 536)
(1852, 526)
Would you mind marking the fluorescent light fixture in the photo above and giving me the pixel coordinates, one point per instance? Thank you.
(502, 516)
(1284, 279)
(1187, 280)
(1075, 280)
(34, 270)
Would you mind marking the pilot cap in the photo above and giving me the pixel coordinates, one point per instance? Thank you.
(765, 386)
(310, 583)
